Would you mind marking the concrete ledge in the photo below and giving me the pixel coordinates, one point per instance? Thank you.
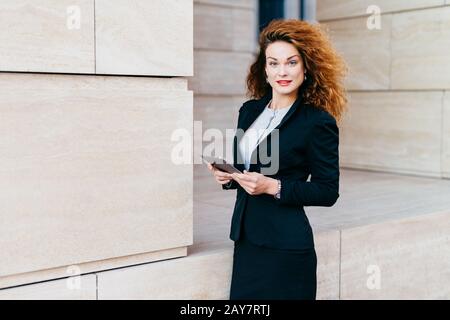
(203, 275)
(403, 259)
(89, 267)
(75, 288)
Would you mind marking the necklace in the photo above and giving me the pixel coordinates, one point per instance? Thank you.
(274, 111)
(272, 116)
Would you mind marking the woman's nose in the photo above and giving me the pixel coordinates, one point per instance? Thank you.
(282, 70)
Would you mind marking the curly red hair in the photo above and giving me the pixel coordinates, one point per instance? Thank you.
(324, 67)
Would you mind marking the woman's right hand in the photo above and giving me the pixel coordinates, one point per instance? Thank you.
(220, 176)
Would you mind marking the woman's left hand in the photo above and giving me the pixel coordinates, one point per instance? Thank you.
(256, 183)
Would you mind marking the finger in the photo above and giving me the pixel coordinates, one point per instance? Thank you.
(243, 177)
(223, 179)
(223, 174)
(246, 185)
(237, 175)
(246, 188)
(252, 173)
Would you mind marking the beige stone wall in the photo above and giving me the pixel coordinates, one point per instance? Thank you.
(398, 84)
(86, 174)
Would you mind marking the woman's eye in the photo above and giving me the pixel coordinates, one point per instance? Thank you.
(291, 62)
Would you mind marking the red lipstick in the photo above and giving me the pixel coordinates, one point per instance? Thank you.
(284, 82)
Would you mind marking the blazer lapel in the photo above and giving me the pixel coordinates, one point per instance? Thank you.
(258, 108)
(251, 116)
(255, 111)
(290, 112)
(248, 118)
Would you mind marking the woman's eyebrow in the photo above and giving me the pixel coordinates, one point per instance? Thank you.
(286, 59)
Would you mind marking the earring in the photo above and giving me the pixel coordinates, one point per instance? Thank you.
(305, 77)
(267, 80)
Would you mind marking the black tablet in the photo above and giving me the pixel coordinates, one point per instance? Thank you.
(221, 164)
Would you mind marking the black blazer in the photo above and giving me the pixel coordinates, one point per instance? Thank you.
(308, 145)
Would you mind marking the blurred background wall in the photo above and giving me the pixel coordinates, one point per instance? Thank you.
(399, 81)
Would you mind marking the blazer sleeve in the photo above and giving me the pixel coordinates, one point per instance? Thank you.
(323, 157)
(230, 185)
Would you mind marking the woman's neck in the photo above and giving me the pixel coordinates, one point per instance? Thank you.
(282, 101)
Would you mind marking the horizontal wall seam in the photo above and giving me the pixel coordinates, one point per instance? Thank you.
(382, 13)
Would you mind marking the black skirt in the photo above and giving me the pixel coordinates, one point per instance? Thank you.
(267, 273)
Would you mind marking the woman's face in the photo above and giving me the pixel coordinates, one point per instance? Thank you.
(284, 67)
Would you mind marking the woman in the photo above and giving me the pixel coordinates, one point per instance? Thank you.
(296, 83)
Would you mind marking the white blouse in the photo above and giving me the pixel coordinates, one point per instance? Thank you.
(260, 128)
